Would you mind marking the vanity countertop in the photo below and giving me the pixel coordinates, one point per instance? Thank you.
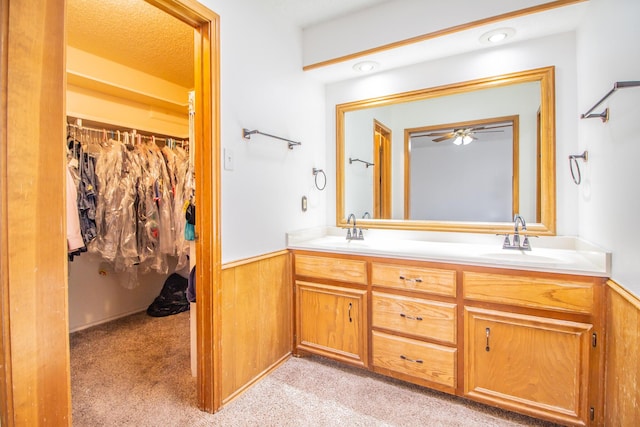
(555, 254)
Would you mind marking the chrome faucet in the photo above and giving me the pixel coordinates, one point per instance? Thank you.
(516, 236)
(525, 246)
(355, 234)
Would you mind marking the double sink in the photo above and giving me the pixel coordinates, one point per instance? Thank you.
(552, 254)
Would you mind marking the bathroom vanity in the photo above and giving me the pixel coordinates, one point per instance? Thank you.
(518, 330)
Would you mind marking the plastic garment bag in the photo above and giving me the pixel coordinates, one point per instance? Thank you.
(108, 212)
(139, 200)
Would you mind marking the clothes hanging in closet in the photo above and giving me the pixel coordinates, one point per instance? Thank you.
(131, 198)
(74, 236)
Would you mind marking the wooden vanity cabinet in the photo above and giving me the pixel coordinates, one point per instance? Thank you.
(523, 341)
(541, 363)
(414, 324)
(331, 317)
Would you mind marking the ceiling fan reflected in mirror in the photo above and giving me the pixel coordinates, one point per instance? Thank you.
(463, 136)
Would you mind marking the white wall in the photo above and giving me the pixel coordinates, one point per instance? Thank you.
(97, 293)
(360, 30)
(609, 197)
(263, 87)
(557, 50)
(463, 183)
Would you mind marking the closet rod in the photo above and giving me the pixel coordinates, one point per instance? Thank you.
(246, 134)
(96, 126)
(605, 114)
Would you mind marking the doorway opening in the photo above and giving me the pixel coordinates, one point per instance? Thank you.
(203, 67)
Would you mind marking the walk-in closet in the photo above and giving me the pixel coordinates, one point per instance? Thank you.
(130, 74)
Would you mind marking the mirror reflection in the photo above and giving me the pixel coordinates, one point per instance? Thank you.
(464, 157)
(484, 158)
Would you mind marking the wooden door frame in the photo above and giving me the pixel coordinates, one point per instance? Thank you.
(207, 159)
(381, 190)
(35, 384)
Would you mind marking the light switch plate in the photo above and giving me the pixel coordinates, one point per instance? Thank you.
(228, 159)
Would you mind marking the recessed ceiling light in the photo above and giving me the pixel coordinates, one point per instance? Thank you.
(365, 66)
(497, 36)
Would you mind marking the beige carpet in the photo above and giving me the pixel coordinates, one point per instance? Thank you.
(135, 372)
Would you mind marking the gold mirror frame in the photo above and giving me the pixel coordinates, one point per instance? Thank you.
(547, 203)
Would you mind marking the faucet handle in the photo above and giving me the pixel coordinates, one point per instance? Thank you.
(507, 242)
(348, 234)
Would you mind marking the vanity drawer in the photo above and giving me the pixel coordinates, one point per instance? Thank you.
(418, 359)
(525, 291)
(432, 280)
(414, 316)
(346, 270)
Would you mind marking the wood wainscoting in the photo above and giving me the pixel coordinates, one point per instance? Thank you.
(622, 372)
(256, 320)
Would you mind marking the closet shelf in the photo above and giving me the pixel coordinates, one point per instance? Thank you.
(109, 88)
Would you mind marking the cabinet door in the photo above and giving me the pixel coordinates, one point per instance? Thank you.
(332, 321)
(526, 363)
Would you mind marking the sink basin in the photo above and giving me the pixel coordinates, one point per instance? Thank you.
(336, 242)
(523, 256)
(561, 255)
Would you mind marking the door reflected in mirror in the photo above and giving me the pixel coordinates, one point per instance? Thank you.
(461, 157)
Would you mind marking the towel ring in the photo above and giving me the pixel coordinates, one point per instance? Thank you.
(573, 161)
(317, 172)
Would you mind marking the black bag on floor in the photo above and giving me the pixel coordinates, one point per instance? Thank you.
(172, 298)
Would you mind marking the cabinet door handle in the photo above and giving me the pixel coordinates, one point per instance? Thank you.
(410, 317)
(350, 319)
(488, 332)
(406, 279)
(403, 357)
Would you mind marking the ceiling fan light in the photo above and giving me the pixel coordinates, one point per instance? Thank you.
(458, 140)
(466, 139)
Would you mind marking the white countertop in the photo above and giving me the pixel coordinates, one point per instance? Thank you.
(557, 254)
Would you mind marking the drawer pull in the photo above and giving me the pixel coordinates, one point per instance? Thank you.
(403, 357)
(406, 279)
(410, 317)
(350, 306)
(488, 331)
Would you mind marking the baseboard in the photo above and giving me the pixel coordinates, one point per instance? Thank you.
(107, 320)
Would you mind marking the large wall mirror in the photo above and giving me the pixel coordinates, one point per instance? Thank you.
(460, 157)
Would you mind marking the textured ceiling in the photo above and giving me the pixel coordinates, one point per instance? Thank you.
(133, 33)
(136, 34)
